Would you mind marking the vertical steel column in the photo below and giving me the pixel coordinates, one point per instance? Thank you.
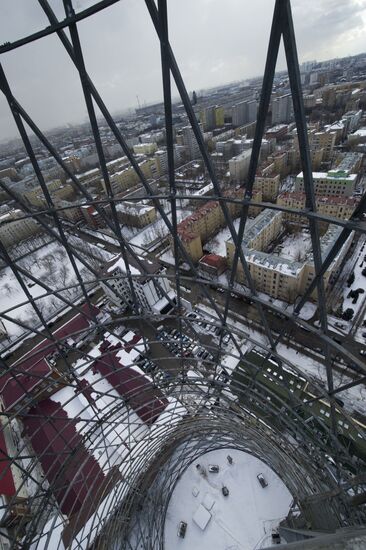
(295, 84)
(69, 48)
(269, 71)
(163, 16)
(198, 135)
(69, 11)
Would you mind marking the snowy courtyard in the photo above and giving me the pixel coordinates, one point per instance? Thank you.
(242, 520)
(51, 265)
(217, 245)
(294, 246)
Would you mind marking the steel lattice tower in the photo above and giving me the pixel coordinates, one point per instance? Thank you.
(124, 503)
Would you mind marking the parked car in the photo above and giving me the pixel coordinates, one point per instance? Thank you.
(182, 528)
(362, 352)
(213, 468)
(225, 491)
(262, 480)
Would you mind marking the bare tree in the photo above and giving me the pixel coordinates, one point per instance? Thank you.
(48, 263)
(8, 288)
(63, 272)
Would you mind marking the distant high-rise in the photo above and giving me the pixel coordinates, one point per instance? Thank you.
(252, 110)
(212, 117)
(282, 109)
(244, 112)
(239, 166)
(190, 142)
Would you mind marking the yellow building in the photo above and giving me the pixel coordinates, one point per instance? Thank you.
(120, 181)
(212, 117)
(268, 186)
(323, 140)
(219, 116)
(65, 192)
(14, 227)
(335, 206)
(207, 220)
(277, 276)
(35, 195)
(334, 182)
(145, 148)
(136, 215)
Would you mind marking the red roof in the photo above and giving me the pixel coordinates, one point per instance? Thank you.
(147, 401)
(74, 475)
(27, 373)
(213, 260)
(7, 486)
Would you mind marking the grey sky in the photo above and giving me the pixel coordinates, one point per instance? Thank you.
(215, 41)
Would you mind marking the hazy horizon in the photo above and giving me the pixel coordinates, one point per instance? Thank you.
(215, 43)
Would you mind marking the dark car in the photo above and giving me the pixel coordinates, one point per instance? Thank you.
(182, 528)
(262, 480)
(225, 491)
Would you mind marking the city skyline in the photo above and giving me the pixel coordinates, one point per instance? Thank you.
(29, 69)
(183, 305)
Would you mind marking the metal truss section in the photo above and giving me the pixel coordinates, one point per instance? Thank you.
(104, 407)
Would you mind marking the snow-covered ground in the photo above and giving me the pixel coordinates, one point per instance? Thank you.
(294, 246)
(156, 230)
(242, 520)
(49, 264)
(217, 245)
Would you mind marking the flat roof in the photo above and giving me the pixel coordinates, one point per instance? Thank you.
(331, 175)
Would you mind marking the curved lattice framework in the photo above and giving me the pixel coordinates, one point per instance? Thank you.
(90, 440)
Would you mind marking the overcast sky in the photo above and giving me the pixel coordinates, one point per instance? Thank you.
(215, 42)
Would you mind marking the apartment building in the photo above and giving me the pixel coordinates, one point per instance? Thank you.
(244, 112)
(35, 196)
(212, 117)
(277, 276)
(69, 210)
(268, 186)
(145, 148)
(337, 206)
(282, 109)
(15, 228)
(324, 141)
(154, 293)
(127, 177)
(135, 215)
(334, 182)
(264, 229)
(190, 143)
(239, 166)
(207, 220)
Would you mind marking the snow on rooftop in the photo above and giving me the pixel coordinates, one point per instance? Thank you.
(243, 519)
(360, 132)
(332, 175)
(121, 265)
(201, 517)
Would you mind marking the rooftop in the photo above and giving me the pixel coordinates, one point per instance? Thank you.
(331, 175)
